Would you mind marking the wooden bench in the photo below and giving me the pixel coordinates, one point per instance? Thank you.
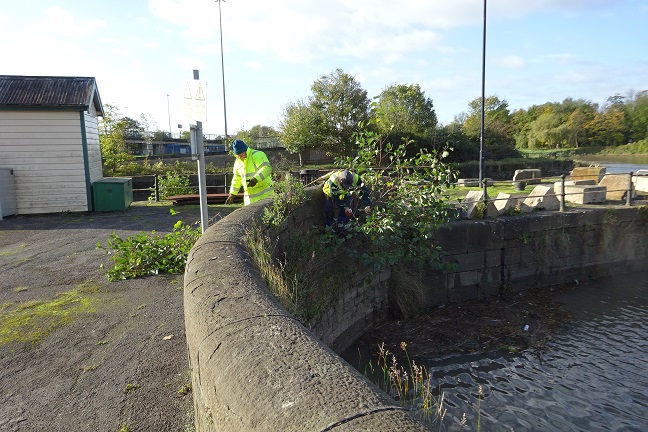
(195, 199)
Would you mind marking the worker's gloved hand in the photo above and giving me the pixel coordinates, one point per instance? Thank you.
(367, 209)
(230, 199)
(252, 182)
(348, 212)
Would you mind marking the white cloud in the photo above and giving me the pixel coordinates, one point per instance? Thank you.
(190, 63)
(512, 62)
(257, 65)
(60, 21)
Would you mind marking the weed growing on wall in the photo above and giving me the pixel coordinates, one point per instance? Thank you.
(301, 277)
(408, 384)
(150, 253)
(289, 195)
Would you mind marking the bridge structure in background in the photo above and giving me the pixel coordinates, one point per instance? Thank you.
(164, 144)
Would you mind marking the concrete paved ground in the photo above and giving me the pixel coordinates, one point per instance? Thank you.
(98, 355)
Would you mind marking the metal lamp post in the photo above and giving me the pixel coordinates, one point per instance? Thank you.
(483, 101)
(220, 26)
(169, 112)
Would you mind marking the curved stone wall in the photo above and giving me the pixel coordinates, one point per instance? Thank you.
(254, 367)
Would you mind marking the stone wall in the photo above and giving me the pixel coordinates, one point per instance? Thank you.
(538, 250)
(254, 367)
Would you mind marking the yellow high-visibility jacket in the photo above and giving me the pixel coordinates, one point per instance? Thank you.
(333, 189)
(255, 165)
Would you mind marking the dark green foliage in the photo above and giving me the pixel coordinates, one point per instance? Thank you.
(289, 194)
(150, 254)
(409, 200)
(173, 184)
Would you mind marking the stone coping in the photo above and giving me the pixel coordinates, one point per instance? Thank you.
(254, 367)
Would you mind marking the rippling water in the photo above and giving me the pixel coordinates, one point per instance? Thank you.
(616, 164)
(592, 375)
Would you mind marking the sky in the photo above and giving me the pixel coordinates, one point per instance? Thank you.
(143, 52)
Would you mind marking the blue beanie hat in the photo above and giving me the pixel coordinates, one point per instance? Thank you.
(238, 146)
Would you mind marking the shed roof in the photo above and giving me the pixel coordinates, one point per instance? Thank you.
(47, 92)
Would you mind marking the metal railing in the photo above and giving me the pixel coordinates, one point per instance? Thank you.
(628, 191)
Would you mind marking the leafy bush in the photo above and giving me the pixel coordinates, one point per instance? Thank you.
(409, 199)
(150, 254)
(289, 194)
(172, 184)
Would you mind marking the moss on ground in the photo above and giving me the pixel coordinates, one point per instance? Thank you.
(31, 321)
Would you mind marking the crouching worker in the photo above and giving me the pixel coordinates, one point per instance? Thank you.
(341, 189)
(252, 170)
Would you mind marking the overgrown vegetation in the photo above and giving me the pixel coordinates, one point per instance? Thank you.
(409, 384)
(150, 253)
(409, 205)
(409, 196)
(289, 194)
(172, 184)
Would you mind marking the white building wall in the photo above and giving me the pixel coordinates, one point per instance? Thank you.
(94, 147)
(45, 150)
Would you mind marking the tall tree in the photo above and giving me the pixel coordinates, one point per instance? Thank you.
(114, 151)
(301, 128)
(545, 131)
(403, 111)
(342, 105)
(578, 126)
(258, 136)
(460, 147)
(498, 129)
(638, 115)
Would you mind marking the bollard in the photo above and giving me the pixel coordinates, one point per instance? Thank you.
(157, 189)
(629, 192)
(485, 186)
(562, 192)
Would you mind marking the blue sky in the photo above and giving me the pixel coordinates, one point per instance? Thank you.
(141, 51)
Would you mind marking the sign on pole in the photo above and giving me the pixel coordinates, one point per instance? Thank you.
(195, 101)
(195, 104)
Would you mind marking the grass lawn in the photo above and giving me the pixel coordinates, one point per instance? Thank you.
(506, 186)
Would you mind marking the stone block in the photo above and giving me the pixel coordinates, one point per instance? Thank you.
(640, 183)
(581, 192)
(505, 202)
(468, 182)
(470, 261)
(588, 173)
(617, 186)
(474, 182)
(541, 198)
(530, 175)
(470, 204)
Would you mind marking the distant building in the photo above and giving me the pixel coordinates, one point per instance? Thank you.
(49, 138)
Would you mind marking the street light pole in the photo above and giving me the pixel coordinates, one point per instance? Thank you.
(483, 102)
(220, 21)
(169, 111)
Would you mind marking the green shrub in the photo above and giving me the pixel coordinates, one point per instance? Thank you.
(289, 194)
(150, 254)
(172, 184)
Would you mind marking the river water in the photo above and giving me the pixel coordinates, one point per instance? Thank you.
(591, 376)
(617, 164)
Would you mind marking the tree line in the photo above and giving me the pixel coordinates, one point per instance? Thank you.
(338, 108)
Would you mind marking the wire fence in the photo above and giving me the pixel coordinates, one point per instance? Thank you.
(617, 187)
